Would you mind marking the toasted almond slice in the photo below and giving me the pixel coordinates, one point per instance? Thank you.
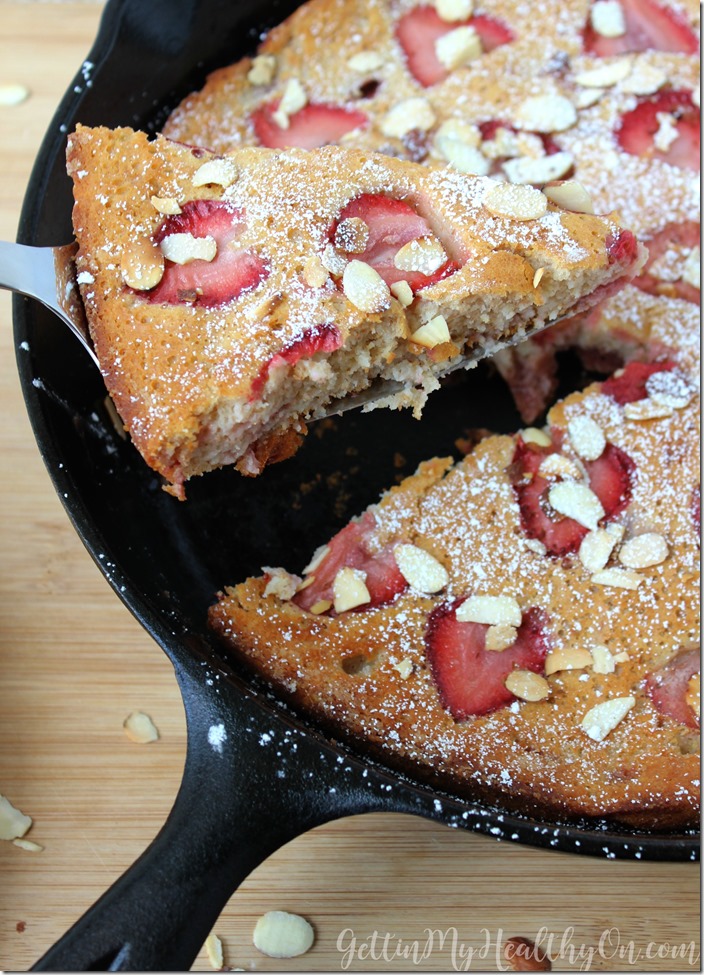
(670, 388)
(333, 261)
(493, 610)
(184, 248)
(457, 130)
(13, 823)
(166, 205)
(538, 437)
(557, 465)
(644, 79)
(604, 660)
(541, 170)
(692, 268)
(535, 545)
(618, 578)
(577, 501)
(279, 934)
(349, 589)
(538, 276)
(213, 949)
(294, 97)
(643, 551)
(406, 116)
(600, 720)
(596, 548)
(546, 113)
(607, 18)
(262, 70)
(667, 132)
(567, 658)
(142, 264)
(221, 172)
(404, 667)
(13, 94)
(462, 157)
(646, 409)
(281, 583)
(425, 255)
(365, 287)
(586, 97)
(458, 47)
(401, 290)
(322, 606)
(140, 728)
(366, 61)
(500, 637)
(433, 333)
(315, 274)
(29, 845)
(308, 581)
(352, 236)
(515, 201)
(420, 569)
(571, 195)
(527, 686)
(453, 10)
(606, 75)
(586, 437)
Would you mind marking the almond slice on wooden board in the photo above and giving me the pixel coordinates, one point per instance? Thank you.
(279, 934)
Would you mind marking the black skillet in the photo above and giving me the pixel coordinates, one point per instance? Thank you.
(256, 775)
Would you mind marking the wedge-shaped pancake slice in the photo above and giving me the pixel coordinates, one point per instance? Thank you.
(232, 298)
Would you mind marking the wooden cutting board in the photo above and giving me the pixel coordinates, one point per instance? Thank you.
(74, 663)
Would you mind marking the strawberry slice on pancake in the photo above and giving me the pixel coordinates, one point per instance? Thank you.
(668, 687)
(320, 338)
(629, 385)
(650, 26)
(309, 128)
(664, 126)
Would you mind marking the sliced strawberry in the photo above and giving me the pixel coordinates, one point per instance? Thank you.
(610, 478)
(208, 283)
(418, 31)
(650, 26)
(622, 247)
(319, 338)
(392, 223)
(675, 237)
(312, 126)
(351, 548)
(629, 386)
(637, 129)
(667, 687)
(470, 678)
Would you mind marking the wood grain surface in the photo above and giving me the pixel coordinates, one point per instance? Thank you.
(73, 664)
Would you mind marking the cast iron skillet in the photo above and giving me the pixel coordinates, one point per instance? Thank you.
(256, 774)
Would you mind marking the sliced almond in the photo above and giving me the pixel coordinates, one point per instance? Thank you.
(618, 578)
(281, 583)
(571, 195)
(546, 113)
(453, 10)
(505, 144)
(527, 686)
(166, 205)
(13, 94)
(536, 436)
(279, 934)
(607, 18)
(606, 75)
(333, 261)
(600, 720)
(604, 660)
(458, 47)
(557, 465)
(491, 610)
(644, 79)
(420, 569)
(670, 388)
(349, 590)
(596, 548)
(586, 97)
(142, 264)
(425, 255)
(643, 551)
(577, 501)
(538, 171)
(140, 728)
(462, 157)
(646, 409)
(221, 172)
(319, 557)
(457, 130)
(29, 845)
(567, 658)
(213, 949)
(692, 268)
(320, 607)
(366, 61)
(262, 70)
(667, 132)
(407, 116)
(315, 274)
(401, 290)
(365, 287)
(352, 236)
(500, 637)
(13, 823)
(294, 97)
(538, 276)
(535, 545)
(184, 248)
(404, 667)
(515, 201)
(587, 437)
(433, 333)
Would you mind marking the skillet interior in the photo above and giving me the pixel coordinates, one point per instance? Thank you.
(166, 559)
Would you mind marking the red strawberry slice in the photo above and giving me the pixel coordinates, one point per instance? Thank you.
(471, 678)
(309, 128)
(391, 223)
(610, 478)
(637, 129)
(319, 338)
(667, 687)
(622, 247)
(673, 236)
(215, 282)
(351, 548)
(629, 386)
(649, 27)
(419, 29)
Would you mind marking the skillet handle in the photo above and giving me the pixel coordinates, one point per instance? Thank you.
(251, 783)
